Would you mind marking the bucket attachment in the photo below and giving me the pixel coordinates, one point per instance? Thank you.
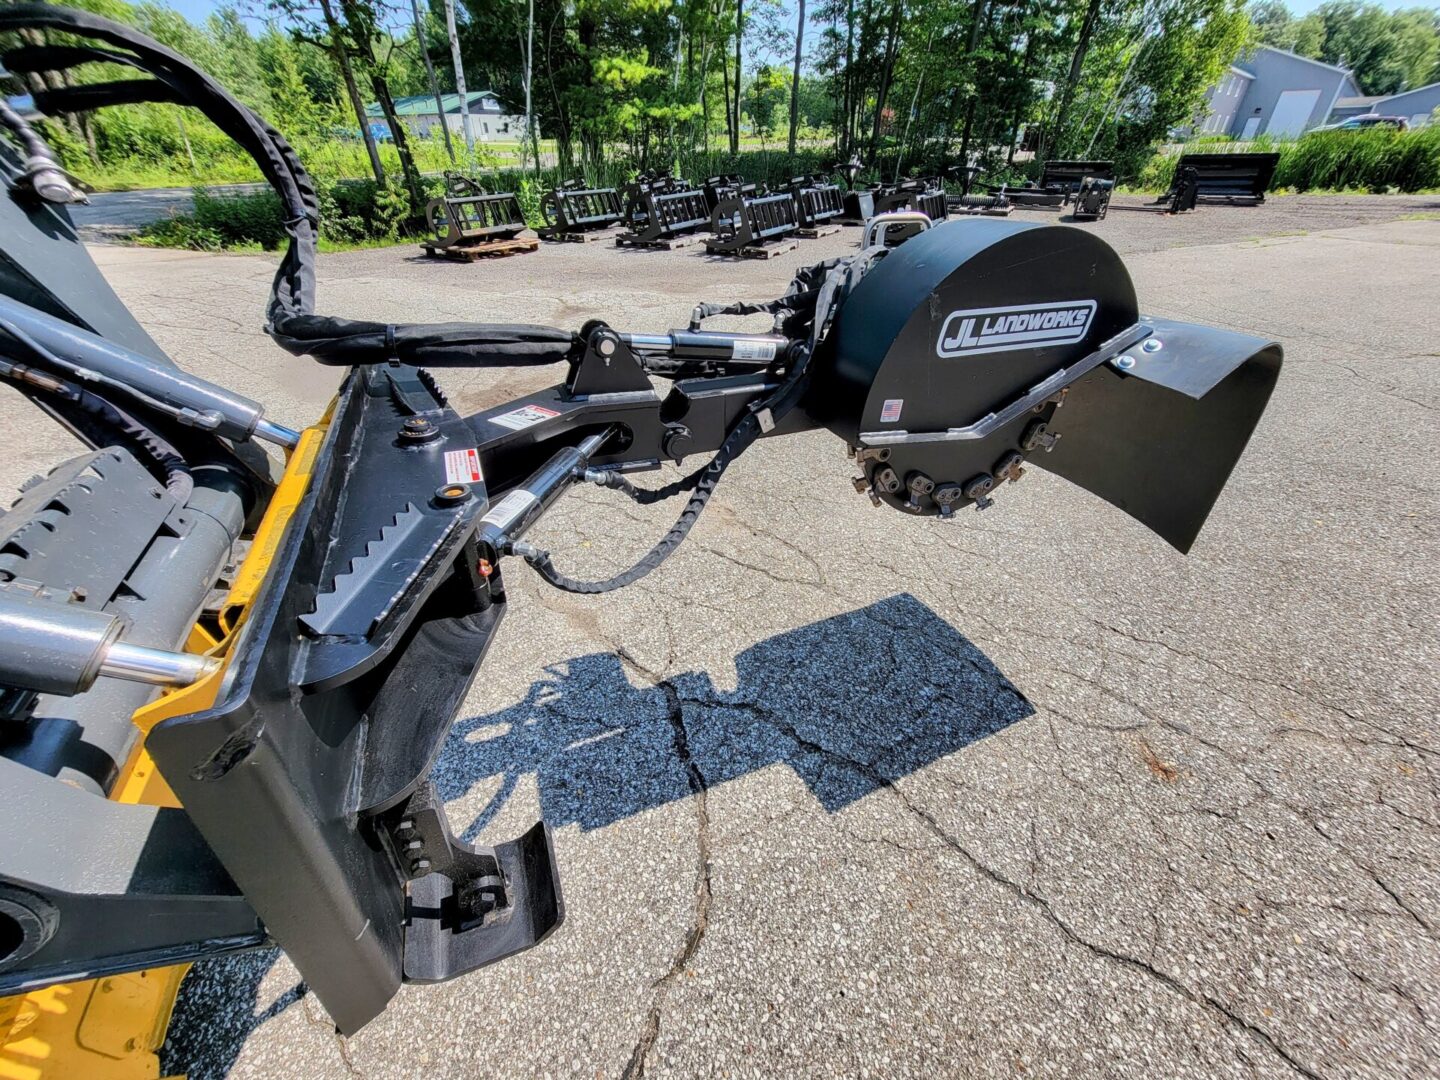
(950, 361)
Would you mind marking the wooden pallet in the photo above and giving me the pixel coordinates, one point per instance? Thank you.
(487, 249)
(669, 243)
(828, 229)
(767, 250)
(980, 211)
(583, 236)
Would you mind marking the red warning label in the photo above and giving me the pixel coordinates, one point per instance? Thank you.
(462, 466)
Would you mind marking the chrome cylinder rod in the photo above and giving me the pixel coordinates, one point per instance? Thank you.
(157, 667)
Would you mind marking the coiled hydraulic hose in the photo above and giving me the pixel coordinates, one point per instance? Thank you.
(823, 286)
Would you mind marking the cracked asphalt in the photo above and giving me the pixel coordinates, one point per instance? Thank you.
(841, 793)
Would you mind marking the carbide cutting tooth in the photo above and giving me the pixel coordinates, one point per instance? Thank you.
(334, 606)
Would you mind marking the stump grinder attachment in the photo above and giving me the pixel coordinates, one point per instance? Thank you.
(208, 745)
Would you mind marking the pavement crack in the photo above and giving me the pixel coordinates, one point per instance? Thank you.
(1375, 878)
(700, 921)
(328, 1025)
(1039, 903)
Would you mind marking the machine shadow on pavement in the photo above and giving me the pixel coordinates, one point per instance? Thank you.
(850, 703)
(218, 1011)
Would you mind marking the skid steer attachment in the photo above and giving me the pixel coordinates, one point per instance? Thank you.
(574, 212)
(663, 212)
(953, 315)
(756, 226)
(290, 653)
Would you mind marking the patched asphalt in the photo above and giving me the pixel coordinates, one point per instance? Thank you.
(838, 792)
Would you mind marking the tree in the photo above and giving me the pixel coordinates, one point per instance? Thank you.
(739, 36)
(362, 26)
(327, 33)
(424, 47)
(460, 89)
(1387, 51)
(795, 74)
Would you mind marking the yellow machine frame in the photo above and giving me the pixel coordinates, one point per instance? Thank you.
(112, 1028)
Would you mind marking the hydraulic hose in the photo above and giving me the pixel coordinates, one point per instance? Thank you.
(823, 285)
(290, 317)
(103, 423)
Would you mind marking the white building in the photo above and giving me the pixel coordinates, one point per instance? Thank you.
(489, 122)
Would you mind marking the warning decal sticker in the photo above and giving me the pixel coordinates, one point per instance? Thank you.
(462, 466)
(523, 417)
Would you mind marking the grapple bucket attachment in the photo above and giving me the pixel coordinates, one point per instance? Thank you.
(951, 359)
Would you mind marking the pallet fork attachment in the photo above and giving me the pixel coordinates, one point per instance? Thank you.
(467, 216)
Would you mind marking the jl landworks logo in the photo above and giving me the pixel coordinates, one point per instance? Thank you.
(1024, 326)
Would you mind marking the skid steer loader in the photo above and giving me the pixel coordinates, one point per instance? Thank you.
(224, 681)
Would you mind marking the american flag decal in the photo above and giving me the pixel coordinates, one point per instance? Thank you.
(890, 412)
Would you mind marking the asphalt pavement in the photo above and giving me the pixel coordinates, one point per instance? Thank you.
(842, 793)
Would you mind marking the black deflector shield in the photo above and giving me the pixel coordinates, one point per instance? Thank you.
(1160, 438)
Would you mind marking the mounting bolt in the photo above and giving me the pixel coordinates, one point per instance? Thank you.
(416, 429)
(1124, 361)
(1152, 345)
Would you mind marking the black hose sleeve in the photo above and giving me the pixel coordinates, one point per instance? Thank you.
(289, 314)
(34, 59)
(609, 478)
(87, 97)
(346, 341)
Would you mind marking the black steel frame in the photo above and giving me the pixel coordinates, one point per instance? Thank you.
(574, 208)
(745, 222)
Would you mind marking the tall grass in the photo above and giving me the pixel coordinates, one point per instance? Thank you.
(1375, 160)
(222, 162)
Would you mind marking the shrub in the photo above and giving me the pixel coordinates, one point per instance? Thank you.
(1377, 159)
(351, 211)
